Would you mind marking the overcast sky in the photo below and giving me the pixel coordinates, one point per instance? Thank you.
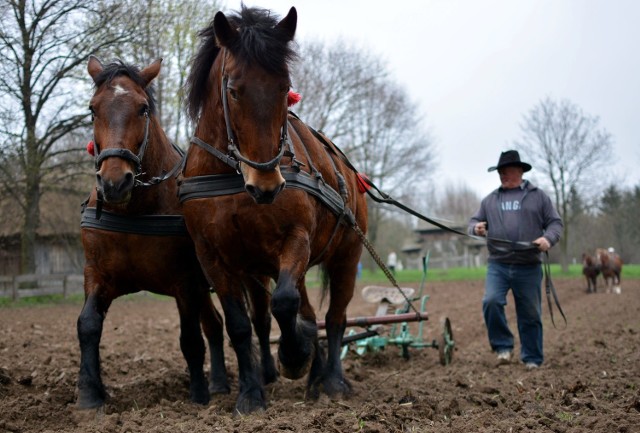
(475, 67)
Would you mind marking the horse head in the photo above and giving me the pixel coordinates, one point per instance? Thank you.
(121, 107)
(254, 79)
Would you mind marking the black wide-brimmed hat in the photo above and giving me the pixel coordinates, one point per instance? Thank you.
(510, 157)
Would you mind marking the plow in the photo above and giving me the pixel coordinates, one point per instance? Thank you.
(390, 326)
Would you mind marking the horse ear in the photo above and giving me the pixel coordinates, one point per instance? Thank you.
(151, 71)
(288, 23)
(94, 67)
(225, 34)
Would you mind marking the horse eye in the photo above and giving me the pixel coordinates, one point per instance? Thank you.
(233, 93)
(144, 110)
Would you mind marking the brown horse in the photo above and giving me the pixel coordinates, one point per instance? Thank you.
(610, 265)
(590, 270)
(266, 197)
(133, 232)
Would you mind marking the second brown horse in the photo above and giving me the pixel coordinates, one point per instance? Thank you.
(265, 198)
(133, 232)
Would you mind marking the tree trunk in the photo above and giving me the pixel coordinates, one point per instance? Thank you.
(30, 227)
(564, 244)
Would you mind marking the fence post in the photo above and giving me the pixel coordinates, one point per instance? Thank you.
(14, 292)
(65, 281)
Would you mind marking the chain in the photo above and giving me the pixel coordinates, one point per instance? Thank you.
(382, 266)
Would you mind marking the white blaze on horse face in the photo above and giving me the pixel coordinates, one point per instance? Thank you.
(118, 90)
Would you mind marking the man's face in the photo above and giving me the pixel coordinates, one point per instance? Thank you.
(510, 176)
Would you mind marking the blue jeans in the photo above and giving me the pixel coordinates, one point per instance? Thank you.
(525, 282)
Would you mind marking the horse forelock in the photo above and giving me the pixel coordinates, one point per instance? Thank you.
(117, 69)
(260, 42)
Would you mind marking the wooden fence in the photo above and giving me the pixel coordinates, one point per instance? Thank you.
(22, 286)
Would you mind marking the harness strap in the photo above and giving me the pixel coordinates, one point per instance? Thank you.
(230, 161)
(171, 173)
(150, 225)
(231, 183)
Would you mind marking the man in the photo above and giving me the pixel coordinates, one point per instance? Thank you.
(519, 222)
(392, 262)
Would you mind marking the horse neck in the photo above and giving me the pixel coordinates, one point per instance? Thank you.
(211, 129)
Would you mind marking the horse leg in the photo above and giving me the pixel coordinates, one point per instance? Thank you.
(212, 325)
(91, 391)
(251, 392)
(294, 314)
(342, 278)
(617, 289)
(261, 318)
(192, 346)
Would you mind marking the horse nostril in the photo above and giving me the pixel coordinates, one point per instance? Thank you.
(128, 178)
(252, 190)
(99, 179)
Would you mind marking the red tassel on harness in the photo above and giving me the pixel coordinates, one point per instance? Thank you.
(293, 98)
(363, 184)
(91, 148)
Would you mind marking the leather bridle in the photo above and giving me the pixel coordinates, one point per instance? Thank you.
(234, 156)
(136, 160)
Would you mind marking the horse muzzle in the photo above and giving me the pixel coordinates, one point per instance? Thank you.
(263, 187)
(116, 191)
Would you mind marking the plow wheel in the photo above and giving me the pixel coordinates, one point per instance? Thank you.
(446, 343)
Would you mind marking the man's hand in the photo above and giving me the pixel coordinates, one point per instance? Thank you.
(542, 243)
(480, 228)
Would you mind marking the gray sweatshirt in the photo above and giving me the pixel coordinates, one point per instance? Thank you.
(520, 214)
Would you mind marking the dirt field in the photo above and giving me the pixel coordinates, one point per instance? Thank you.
(590, 381)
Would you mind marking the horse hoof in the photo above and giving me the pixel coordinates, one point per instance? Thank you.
(295, 365)
(219, 388)
(249, 403)
(337, 388)
(294, 372)
(270, 374)
(90, 399)
(200, 396)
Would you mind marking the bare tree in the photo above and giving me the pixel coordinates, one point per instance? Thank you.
(42, 46)
(168, 29)
(456, 203)
(568, 147)
(349, 95)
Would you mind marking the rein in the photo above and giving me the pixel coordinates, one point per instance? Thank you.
(514, 245)
(387, 199)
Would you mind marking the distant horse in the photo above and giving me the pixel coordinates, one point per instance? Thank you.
(266, 197)
(590, 270)
(610, 265)
(133, 232)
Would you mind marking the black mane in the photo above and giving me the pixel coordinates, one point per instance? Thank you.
(118, 68)
(260, 42)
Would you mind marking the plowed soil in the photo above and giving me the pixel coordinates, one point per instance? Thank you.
(590, 381)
